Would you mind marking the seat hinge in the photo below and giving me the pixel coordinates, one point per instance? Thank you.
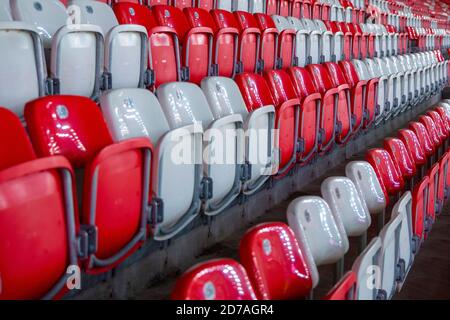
(149, 77)
(400, 270)
(52, 86)
(214, 70)
(239, 67)
(300, 145)
(206, 188)
(246, 171)
(106, 81)
(87, 241)
(156, 215)
(185, 74)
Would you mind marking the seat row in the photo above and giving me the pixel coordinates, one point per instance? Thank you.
(280, 262)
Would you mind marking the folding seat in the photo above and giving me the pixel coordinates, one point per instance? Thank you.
(346, 205)
(196, 42)
(320, 233)
(308, 92)
(433, 208)
(419, 80)
(424, 138)
(286, 42)
(400, 85)
(257, 93)
(408, 80)
(125, 45)
(226, 42)
(277, 266)
(345, 289)
(342, 44)
(302, 46)
(393, 269)
(5, 11)
(114, 215)
(223, 142)
(372, 40)
(350, 115)
(414, 149)
(430, 126)
(22, 67)
(164, 57)
(205, 4)
(407, 245)
(271, 7)
(224, 5)
(74, 54)
(269, 42)
(441, 129)
(38, 234)
(369, 271)
(445, 120)
(369, 188)
(390, 179)
(348, 38)
(394, 83)
(225, 99)
(411, 75)
(135, 113)
(443, 185)
(219, 279)
(256, 6)
(421, 224)
(319, 42)
(301, 9)
(402, 160)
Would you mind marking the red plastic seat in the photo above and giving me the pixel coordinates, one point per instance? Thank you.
(311, 110)
(284, 7)
(287, 105)
(301, 9)
(204, 4)
(183, 3)
(249, 42)
(433, 192)
(226, 42)
(271, 7)
(345, 289)
(443, 180)
(163, 41)
(350, 108)
(275, 264)
(423, 137)
(113, 213)
(15, 146)
(195, 40)
(331, 99)
(401, 157)
(442, 131)
(256, 93)
(390, 179)
(286, 47)
(269, 42)
(419, 207)
(432, 130)
(445, 119)
(413, 146)
(220, 279)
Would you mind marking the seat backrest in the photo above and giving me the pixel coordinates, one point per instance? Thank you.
(132, 113)
(313, 223)
(95, 12)
(401, 157)
(302, 81)
(345, 289)
(275, 263)
(48, 16)
(184, 104)
(390, 179)
(366, 182)
(349, 71)
(280, 86)
(134, 13)
(22, 66)
(373, 67)
(423, 136)
(429, 124)
(254, 90)
(281, 23)
(438, 123)
(5, 11)
(413, 146)
(220, 279)
(368, 272)
(321, 77)
(362, 70)
(15, 146)
(346, 205)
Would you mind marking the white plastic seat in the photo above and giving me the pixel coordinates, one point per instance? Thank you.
(389, 260)
(318, 230)
(341, 195)
(386, 86)
(256, 6)
(22, 66)
(131, 113)
(301, 54)
(396, 85)
(369, 273)
(225, 99)
(223, 142)
(329, 43)
(224, 5)
(126, 46)
(75, 52)
(408, 244)
(366, 182)
(314, 39)
(240, 5)
(395, 66)
(5, 11)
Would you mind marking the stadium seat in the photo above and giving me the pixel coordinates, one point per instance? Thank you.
(401, 158)
(286, 42)
(134, 113)
(225, 99)
(345, 203)
(249, 42)
(320, 233)
(368, 271)
(164, 58)
(275, 263)
(125, 46)
(220, 279)
(185, 104)
(344, 289)
(269, 42)
(424, 139)
(74, 54)
(5, 11)
(114, 215)
(421, 224)
(256, 93)
(22, 68)
(414, 149)
(196, 42)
